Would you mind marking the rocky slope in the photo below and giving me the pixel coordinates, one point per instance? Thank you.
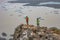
(31, 32)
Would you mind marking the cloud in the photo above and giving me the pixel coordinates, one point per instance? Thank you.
(57, 6)
(2, 38)
(56, 12)
(32, 1)
(38, 2)
(44, 3)
(11, 39)
(4, 34)
(40, 18)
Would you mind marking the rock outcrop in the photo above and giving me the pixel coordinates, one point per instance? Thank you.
(31, 32)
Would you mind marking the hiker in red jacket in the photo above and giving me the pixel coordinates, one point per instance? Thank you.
(27, 20)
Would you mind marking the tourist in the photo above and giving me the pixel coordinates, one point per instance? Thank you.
(38, 21)
(27, 20)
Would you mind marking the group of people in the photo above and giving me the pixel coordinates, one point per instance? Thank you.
(37, 21)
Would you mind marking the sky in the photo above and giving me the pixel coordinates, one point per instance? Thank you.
(48, 3)
(12, 15)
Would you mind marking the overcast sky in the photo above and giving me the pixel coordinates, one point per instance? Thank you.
(48, 3)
